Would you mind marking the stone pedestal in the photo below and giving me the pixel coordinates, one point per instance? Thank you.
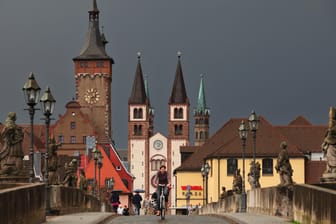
(328, 178)
(284, 201)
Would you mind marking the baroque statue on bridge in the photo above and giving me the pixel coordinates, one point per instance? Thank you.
(11, 154)
(70, 178)
(254, 175)
(283, 166)
(329, 149)
(237, 183)
(53, 161)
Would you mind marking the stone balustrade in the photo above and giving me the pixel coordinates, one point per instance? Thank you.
(302, 203)
(65, 200)
(22, 203)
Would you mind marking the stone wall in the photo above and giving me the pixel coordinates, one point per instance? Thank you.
(65, 200)
(302, 203)
(271, 201)
(22, 204)
(313, 204)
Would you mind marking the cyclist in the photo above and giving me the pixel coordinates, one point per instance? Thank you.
(161, 181)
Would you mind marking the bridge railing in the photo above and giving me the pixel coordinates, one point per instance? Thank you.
(65, 200)
(303, 203)
(22, 203)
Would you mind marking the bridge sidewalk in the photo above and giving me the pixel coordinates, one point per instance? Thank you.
(248, 218)
(81, 218)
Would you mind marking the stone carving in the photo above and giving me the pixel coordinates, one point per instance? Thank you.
(329, 149)
(53, 161)
(237, 184)
(283, 166)
(254, 175)
(11, 154)
(70, 178)
(82, 181)
(224, 193)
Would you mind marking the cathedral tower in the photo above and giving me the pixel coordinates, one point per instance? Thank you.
(178, 123)
(93, 76)
(140, 129)
(201, 117)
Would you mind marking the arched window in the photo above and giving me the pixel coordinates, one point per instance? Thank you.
(137, 130)
(175, 113)
(196, 135)
(140, 113)
(180, 113)
(135, 112)
(201, 135)
(178, 129)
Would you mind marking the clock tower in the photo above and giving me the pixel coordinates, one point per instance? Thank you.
(93, 76)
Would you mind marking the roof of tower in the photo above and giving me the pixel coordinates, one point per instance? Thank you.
(147, 88)
(179, 93)
(201, 102)
(94, 46)
(138, 95)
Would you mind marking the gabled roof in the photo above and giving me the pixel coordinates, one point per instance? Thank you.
(302, 133)
(179, 93)
(226, 143)
(107, 171)
(138, 94)
(300, 120)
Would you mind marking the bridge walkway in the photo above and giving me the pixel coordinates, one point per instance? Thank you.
(102, 217)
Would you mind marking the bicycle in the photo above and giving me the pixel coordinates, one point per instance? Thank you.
(162, 205)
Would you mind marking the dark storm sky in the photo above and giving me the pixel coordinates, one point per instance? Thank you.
(276, 57)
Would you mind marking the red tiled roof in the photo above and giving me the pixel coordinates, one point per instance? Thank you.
(226, 143)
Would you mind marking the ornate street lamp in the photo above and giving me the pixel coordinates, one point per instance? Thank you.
(254, 122)
(100, 165)
(31, 92)
(48, 105)
(95, 157)
(243, 136)
(205, 172)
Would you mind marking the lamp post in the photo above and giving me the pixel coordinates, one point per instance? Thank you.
(205, 172)
(95, 157)
(48, 105)
(243, 135)
(253, 122)
(31, 92)
(100, 165)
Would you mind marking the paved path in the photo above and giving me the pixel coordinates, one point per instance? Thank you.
(104, 217)
(81, 218)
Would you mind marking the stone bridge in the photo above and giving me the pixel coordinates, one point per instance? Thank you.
(25, 203)
(303, 204)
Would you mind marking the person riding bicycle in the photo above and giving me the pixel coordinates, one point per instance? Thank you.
(161, 181)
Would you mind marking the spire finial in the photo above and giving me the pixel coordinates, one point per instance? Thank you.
(201, 75)
(139, 55)
(179, 54)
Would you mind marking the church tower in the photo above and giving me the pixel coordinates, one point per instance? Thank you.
(93, 76)
(201, 117)
(140, 129)
(178, 122)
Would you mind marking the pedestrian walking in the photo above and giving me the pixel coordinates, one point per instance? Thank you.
(136, 201)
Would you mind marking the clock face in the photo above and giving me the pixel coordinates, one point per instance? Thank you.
(91, 96)
(158, 144)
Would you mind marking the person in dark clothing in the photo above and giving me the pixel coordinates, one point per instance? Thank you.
(161, 181)
(136, 201)
(126, 211)
(115, 201)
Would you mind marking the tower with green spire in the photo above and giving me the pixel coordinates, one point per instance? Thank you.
(201, 116)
